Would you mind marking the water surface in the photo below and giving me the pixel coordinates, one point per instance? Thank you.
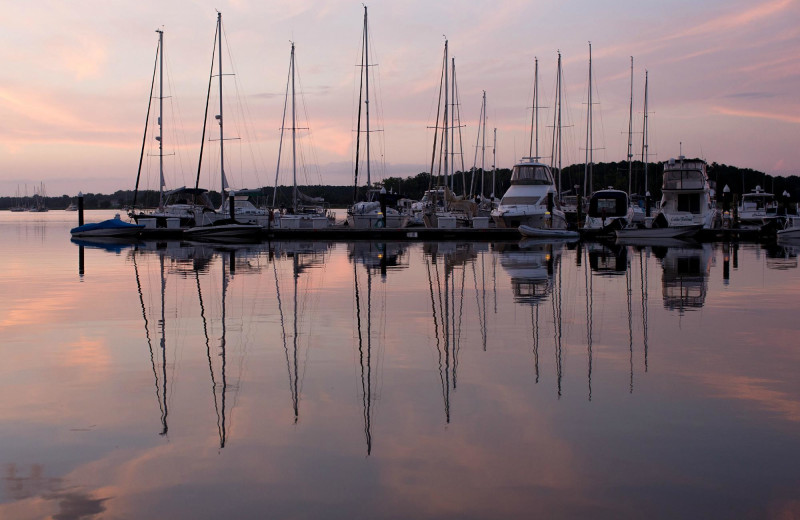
(398, 380)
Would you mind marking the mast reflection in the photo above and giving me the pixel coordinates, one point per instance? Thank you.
(535, 276)
(447, 306)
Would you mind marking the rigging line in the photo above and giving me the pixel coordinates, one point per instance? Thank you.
(477, 300)
(280, 141)
(358, 124)
(457, 113)
(208, 98)
(436, 127)
(146, 123)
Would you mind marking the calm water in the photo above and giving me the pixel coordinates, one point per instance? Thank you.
(420, 380)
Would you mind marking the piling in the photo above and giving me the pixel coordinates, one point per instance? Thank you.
(80, 209)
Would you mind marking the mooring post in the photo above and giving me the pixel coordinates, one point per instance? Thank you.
(80, 210)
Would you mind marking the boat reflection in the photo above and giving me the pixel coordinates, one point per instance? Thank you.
(684, 281)
(533, 266)
(781, 256)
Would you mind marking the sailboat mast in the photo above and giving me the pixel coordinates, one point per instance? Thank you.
(483, 146)
(445, 119)
(558, 82)
(453, 126)
(294, 138)
(630, 135)
(587, 171)
(535, 113)
(494, 159)
(223, 181)
(645, 137)
(366, 91)
(160, 140)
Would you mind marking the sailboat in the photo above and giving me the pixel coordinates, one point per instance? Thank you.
(609, 209)
(374, 211)
(441, 208)
(177, 208)
(213, 225)
(299, 215)
(531, 202)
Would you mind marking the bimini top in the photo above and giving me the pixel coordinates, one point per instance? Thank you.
(530, 171)
(608, 203)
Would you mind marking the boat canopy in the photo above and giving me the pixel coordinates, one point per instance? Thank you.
(608, 203)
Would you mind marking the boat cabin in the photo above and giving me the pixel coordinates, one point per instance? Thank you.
(531, 173)
(608, 203)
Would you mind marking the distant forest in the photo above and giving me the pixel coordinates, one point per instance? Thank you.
(613, 174)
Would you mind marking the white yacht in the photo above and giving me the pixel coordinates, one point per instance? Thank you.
(686, 199)
(531, 200)
(756, 207)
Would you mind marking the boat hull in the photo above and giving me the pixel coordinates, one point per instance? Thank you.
(108, 228)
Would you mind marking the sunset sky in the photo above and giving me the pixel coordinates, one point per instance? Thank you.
(724, 80)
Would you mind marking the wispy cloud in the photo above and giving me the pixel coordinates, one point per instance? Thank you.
(785, 118)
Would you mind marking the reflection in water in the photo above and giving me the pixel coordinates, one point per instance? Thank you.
(447, 306)
(781, 256)
(161, 389)
(532, 266)
(685, 277)
(304, 256)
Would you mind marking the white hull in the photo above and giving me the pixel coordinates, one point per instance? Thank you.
(657, 233)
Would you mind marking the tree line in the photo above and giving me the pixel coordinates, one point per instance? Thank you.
(613, 174)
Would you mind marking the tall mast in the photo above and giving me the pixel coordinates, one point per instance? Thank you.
(494, 159)
(645, 137)
(294, 136)
(555, 155)
(630, 135)
(161, 183)
(453, 126)
(445, 119)
(587, 171)
(366, 90)
(483, 146)
(535, 113)
(223, 180)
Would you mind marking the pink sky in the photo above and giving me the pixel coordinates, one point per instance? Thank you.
(723, 81)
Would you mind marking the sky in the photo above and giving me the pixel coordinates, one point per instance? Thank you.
(723, 84)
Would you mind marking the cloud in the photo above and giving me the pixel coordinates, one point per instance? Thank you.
(785, 118)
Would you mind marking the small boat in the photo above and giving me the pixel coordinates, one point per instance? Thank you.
(757, 208)
(791, 229)
(537, 232)
(113, 227)
(658, 233)
(72, 207)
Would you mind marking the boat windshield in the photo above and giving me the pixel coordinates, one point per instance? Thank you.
(531, 174)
